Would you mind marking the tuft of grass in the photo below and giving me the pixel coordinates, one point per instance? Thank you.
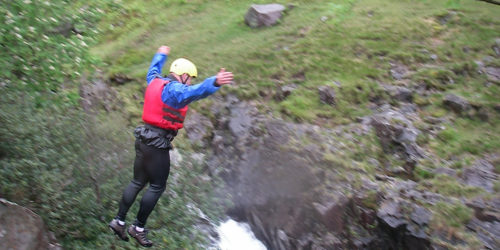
(452, 215)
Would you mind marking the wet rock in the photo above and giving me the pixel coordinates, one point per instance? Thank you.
(283, 241)
(20, 228)
(263, 14)
(456, 103)
(480, 174)
(327, 94)
(198, 128)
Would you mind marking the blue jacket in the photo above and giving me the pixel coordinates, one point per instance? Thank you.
(176, 94)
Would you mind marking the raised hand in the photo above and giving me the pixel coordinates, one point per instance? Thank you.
(164, 50)
(223, 77)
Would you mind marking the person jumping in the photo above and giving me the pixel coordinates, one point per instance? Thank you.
(165, 105)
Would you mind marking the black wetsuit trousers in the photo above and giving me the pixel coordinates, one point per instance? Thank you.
(152, 165)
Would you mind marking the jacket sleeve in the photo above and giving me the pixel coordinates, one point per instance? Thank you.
(178, 95)
(156, 65)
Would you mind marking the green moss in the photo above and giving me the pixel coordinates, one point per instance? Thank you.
(452, 215)
(448, 185)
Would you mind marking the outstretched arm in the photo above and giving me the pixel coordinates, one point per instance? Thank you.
(157, 63)
(179, 95)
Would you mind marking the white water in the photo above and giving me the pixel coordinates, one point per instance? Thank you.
(238, 236)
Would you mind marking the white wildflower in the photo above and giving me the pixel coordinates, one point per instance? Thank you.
(27, 1)
(83, 44)
(47, 3)
(45, 38)
(32, 29)
(52, 67)
(78, 60)
(53, 19)
(17, 29)
(19, 36)
(79, 36)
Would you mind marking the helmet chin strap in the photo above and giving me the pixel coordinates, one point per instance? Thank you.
(184, 80)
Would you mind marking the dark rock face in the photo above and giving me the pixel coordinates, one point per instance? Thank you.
(96, 94)
(493, 74)
(20, 228)
(263, 14)
(487, 232)
(480, 174)
(407, 234)
(326, 94)
(198, 128)
(398, 135)
(456, 103)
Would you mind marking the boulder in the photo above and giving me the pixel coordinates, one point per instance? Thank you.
(399, 93)
(284, 91)
(327, 94)
(398, 135)
(259, 15)
(20, 228)
(493, 74)
(405, 233)
(456, 103)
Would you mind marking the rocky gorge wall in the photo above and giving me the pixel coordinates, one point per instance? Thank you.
(301, 186)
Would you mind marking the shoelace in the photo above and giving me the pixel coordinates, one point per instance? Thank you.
(142, 235)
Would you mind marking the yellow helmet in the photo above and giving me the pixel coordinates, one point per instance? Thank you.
(182, 65)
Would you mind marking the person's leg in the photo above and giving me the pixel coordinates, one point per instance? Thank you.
(157, 170)
(139, 181)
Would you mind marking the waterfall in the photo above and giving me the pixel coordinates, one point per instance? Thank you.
(238, 236)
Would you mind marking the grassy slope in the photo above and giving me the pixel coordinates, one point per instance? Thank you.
(354, 46)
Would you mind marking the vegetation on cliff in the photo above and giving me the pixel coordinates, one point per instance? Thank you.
(69, 164)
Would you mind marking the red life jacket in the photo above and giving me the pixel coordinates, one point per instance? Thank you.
(159, 114)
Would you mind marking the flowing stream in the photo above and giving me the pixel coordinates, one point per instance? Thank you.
(238, 236)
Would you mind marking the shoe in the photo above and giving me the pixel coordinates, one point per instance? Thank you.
(118, 229)
(140, 236)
